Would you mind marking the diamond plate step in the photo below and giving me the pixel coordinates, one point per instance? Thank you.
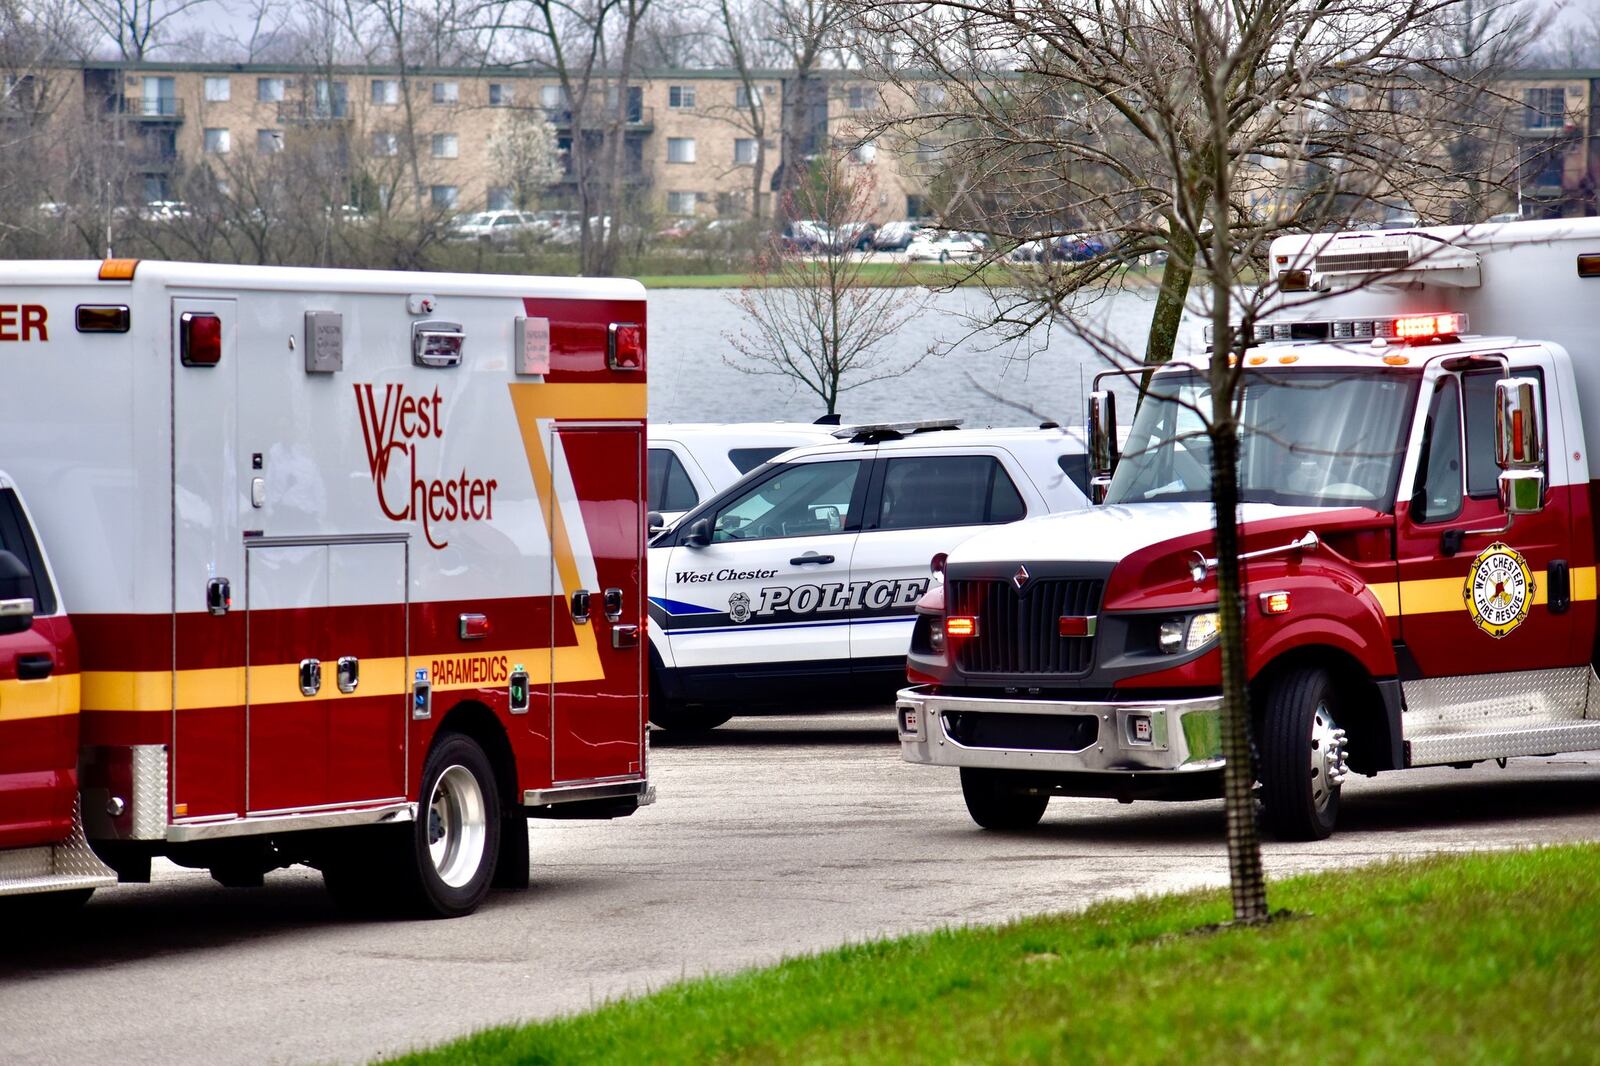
(1464, 747)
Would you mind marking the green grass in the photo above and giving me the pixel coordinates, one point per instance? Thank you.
(1475, 959)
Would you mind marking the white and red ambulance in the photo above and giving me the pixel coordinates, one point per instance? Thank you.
(326, 566)
(1417, 535)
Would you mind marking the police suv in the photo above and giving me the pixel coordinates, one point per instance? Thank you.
(690, 461)
(798, 583)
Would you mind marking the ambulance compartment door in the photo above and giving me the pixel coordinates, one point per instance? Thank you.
(770, 594)
(207, 762)
(597, 524)
(326, 680)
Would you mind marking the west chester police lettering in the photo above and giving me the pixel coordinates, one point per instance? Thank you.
(393, 427)
(833, 597)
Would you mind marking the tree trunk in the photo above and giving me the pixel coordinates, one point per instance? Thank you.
(1175, 278)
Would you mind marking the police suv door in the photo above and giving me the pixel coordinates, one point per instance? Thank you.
(768, 594)
(919, 505)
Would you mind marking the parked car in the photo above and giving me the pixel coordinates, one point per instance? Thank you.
(691, 461)
(943, 246)
(894, 236)
(851, 236)
(1078, 247)
(1032, 251)
(500, 226)
(804, 235)
(164, 210)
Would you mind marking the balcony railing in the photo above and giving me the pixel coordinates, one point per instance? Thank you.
(310, 112)
(153, 108)
(638, 117)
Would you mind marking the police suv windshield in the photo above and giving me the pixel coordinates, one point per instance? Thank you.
(1309, 438)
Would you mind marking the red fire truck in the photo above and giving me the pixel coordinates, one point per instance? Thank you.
(315, 566)
(1418, 546)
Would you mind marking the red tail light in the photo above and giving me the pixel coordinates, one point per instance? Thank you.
(626, 346)
(200, 343)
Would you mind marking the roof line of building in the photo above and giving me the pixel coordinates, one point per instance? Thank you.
(150, 66)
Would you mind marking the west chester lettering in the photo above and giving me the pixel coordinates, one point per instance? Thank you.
(392, 429)
(689, 577)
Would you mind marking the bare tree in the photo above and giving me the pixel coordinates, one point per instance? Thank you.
(805, 33)
(815, 318)
(1198, 129)
(137, 27)
(744, 46)
(34, 207)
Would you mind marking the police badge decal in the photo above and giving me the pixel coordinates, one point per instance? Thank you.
(739, 607)
(1499, 589)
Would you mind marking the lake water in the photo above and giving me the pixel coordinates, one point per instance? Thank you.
(1047, 374)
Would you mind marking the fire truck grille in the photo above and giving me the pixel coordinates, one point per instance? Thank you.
(1028, 732)
(1020, 632)
(1336, 262)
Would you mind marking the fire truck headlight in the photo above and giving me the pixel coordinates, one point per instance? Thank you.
(1187, 634)
(1202, 631)
(1170, 635)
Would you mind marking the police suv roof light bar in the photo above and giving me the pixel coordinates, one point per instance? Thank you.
(872, 433)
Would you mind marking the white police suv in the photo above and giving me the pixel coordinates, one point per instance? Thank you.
(691, 461)
(796, 585)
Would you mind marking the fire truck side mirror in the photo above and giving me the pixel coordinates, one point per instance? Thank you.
(1102, 442)
(16, 596)
(1518, 436)
(698, 535)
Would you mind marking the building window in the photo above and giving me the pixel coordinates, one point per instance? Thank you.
(385, 92)
(160, 96)
(859, 97)
(864, 154)
(446, 92)
(218, 142)
(680, 97)
(1544, 109)
(499, 94)
(501, 198)
(224, 187)
(333, 99)
(744, 94)
(271, 90)
(443, 196)
(744, 151)
(385, 143)
(269, 141)
(681, 203)
(552, 97)
(219, 90)
(445, 146)
(680, 149)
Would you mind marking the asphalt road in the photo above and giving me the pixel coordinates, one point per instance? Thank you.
(775, 836)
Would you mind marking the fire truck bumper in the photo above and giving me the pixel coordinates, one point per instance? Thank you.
(1155, 737)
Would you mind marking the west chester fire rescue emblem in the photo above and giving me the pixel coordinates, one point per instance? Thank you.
(1499, 589)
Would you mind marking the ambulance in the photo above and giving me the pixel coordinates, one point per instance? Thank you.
(796, 586)
(332, 567)
(1417, 549)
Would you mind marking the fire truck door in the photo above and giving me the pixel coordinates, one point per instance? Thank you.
(598, 704)
(327, 670)
(1474, 596)
(207, 764)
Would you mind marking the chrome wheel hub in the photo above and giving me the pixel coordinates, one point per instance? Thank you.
(1328, 769)
(458, 826)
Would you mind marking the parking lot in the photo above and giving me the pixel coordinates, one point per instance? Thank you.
(772, 836)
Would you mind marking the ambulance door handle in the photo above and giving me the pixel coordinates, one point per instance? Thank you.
(613, 603)
(580, 607)
(623, 637)
(810, 557)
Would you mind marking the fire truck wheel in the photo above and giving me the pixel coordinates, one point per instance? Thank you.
(680, 719)
(995, 803)
(457, 829)
(1302, 756)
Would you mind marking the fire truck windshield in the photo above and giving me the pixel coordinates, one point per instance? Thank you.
(1309, 438)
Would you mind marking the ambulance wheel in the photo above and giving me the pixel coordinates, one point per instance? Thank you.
(677, 718)
(995, 803)
(455, 839)
(1302, 756)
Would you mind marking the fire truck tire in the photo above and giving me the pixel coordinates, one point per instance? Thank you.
(455, 839)
(1302, 756)
(995, 803)
(677, 718)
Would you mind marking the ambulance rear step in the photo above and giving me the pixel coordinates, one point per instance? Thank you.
(61, 867)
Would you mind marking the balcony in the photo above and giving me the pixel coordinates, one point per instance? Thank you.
(312, 113)
(147, 108)
(639, 119)
(635, 175)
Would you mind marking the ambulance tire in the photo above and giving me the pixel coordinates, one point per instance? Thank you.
(1299, 734)
(676, 718)
(455, 840)
(995, 803)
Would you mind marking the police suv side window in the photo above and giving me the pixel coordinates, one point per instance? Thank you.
(1439, 485)
(16, 537)
(802, 500)
(745, 460)
(947, 490)
(1483, 473)
(669, 487)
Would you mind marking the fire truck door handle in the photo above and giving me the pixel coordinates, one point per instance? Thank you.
(580, 607)
(1559, 596)
(613, 603)
(34, 667)
(625, 636)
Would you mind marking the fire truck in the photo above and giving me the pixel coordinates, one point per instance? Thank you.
(1417, 549)
(332, 567)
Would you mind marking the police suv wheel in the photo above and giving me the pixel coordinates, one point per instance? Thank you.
(996, 803)
(1303, 754)
(454, 839)
(677, 718)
